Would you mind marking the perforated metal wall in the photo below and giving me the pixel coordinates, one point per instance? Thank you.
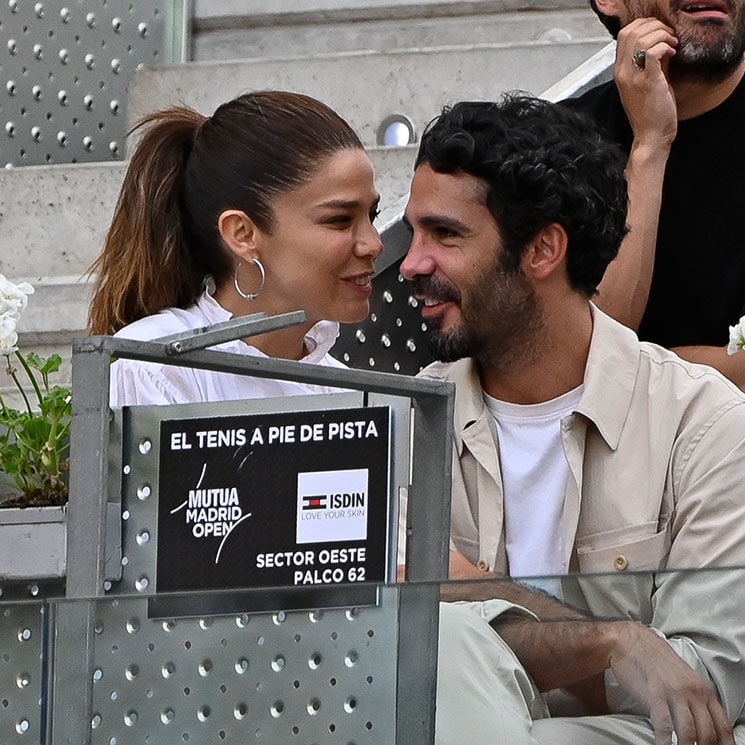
(21, 673)
(296, 677)
(326, 676)
(319, 676)
(120, 668)
(393, 338)
(65, 68)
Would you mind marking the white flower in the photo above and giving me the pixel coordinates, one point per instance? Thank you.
(13, 298)
(8, 334)
(736, 337)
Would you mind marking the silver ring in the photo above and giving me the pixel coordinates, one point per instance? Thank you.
(639, 59)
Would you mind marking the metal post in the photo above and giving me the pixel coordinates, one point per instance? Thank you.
(428, 521)
(70, 691)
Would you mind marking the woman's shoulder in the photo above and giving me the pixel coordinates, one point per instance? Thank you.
(168, 321)
(136, 382)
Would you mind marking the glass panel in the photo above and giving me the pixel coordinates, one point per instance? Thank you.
(585, 621)
(334, 676)
(317, 676)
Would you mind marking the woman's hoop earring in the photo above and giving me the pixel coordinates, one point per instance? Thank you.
(250, 295)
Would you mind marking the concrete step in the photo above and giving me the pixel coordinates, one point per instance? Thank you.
(72, 207)
(367, 87)
(269, 33)
(210, 13)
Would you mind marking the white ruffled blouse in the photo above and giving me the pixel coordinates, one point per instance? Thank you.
(134, 382)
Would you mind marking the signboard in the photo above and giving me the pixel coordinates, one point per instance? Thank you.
(288, 499)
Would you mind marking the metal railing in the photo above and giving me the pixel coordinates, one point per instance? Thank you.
(113, 662)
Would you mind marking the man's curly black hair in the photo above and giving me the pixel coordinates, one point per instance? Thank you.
(542, 164)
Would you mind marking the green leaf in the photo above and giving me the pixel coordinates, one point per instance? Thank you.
(45, 365)
(12, 418)
(34, 360)
(57, 402)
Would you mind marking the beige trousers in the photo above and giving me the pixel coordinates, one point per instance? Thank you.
(485, 697)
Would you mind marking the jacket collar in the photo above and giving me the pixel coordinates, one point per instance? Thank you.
(610, 376)
(469, 400)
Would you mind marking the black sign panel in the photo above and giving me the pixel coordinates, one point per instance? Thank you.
(289, 499)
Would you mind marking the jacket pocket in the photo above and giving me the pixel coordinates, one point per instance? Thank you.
(624, 550)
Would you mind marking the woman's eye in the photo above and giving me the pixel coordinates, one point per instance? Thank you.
(338, 220)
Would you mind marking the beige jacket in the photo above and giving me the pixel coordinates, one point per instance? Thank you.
(656, 450)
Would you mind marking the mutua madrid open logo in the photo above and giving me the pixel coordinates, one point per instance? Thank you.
(212, 512)
(332, 505)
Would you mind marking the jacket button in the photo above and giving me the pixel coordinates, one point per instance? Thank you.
(620, 563)
(482, 565)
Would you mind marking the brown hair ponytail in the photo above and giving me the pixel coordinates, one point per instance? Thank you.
(146, 265)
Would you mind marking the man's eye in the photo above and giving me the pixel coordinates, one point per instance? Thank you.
(374, 215)
(338, 220)
(444, 233)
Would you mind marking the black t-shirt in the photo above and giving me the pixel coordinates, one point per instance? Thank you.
(698, 284)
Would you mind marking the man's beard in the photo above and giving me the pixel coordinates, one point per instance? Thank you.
(709, 62)
(704, 53)
(500, 324)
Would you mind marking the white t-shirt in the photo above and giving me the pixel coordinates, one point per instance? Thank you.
(135, 382)
(534, 477)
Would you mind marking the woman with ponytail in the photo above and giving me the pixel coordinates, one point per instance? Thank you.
(266, 206)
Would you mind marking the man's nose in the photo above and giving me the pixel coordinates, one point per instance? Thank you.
(417, 261)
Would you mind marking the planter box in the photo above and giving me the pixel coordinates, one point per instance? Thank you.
(33, 542)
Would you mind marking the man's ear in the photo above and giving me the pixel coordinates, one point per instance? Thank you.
(611, 8)
(546, 252)
(239, 233)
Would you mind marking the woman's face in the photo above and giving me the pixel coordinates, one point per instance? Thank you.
(319, 255)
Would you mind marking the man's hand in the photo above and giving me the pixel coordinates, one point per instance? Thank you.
(461, 568)
(650, 105)
(677, 699)
(571, 654)
(647, 96)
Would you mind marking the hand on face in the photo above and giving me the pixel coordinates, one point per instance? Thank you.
(647, 95)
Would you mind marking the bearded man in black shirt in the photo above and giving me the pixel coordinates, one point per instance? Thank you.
(677, 105)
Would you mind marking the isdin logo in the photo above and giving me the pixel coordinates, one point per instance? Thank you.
(332, 505)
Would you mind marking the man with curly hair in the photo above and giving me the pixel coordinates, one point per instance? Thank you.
(578, 449)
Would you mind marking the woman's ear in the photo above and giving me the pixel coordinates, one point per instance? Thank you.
(546, 252)
(239, 233)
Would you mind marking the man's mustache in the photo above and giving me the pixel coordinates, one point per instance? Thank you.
(435, 287)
